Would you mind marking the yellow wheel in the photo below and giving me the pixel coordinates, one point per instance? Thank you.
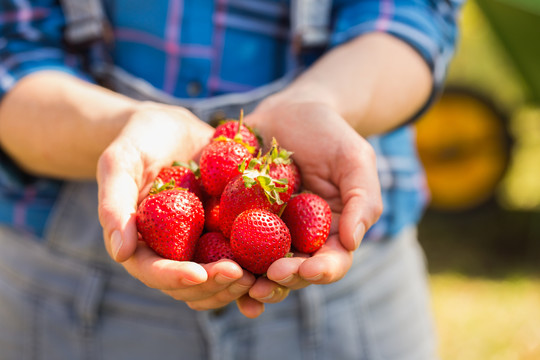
(463, 144)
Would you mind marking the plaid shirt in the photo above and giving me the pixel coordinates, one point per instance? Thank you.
(198, 49)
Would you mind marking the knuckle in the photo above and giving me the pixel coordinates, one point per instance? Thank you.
(378, 209)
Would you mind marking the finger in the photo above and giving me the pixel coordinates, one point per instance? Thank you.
(214, 292)
(249, 307)
(163, 274)
(329, 264)
(224, 272)
(361, 197)
(285, 272)
(225, 296)
(117, 203)
(267, 291)
(241, 286)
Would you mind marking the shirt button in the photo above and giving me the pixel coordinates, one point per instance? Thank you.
(194, 88)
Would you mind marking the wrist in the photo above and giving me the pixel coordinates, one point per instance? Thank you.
(300, 92)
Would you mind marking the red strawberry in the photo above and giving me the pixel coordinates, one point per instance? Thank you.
(185, 175)
(170, 222)
(258, 238)
(290, 173)
(211, 214)
(308, 217)
(296, 183)
(252, 190)
(280, 166)
(211, 247)
(219, 163)
(229, 129)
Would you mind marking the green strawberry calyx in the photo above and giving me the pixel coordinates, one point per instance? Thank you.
(253, 174)
(191, 165)
(159, 186)
(238, 138)
(278, 155)
(240, 123)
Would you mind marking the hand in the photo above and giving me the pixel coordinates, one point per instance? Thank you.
(154, 137)
(337, 164)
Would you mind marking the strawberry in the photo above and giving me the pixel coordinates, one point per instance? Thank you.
(258, 238)
(252, 190)
(277, 162)
(171, 221)
(232, 128)
(219, 163)
(211, 214)
(185, 175)
(308, 217)
(295, 183)
(211, 247)
(285, 171)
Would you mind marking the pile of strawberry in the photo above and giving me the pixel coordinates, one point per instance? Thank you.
(237, 203)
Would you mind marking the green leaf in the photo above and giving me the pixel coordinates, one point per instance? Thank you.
(242, 166)
(158, 186)
(265, 182)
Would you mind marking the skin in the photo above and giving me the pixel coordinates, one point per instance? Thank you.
(349, 94)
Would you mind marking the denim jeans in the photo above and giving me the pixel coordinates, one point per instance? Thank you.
(62, 297)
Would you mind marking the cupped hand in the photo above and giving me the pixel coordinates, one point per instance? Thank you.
(337, 164)
(155, 136)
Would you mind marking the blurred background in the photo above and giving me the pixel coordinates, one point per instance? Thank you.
(480, 145)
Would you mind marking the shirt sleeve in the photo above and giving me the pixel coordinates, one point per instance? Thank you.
(429, 26)
(31, 39)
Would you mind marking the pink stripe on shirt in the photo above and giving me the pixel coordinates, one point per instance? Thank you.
(387, 11)
(135, 36)
(173, 29)
(21, 207)
(218, 40)
(24, 14)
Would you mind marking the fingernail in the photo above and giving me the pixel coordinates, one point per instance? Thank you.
(189, 282)
(222, 279)
(314, 278)
(237, 289)
(358, 234)
(116, 243)
(287, 280)
(268, 297)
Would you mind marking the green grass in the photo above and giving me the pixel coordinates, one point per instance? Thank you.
(486, 319)
(485, 280)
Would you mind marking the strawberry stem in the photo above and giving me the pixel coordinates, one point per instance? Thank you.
(240, 121)
(238, 136)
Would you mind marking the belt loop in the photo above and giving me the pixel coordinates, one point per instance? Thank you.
(311, 319)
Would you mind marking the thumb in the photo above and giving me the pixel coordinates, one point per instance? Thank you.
(362, 203)
(117, 203)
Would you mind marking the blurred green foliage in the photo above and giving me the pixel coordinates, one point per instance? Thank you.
(484, 65)
(484, 263)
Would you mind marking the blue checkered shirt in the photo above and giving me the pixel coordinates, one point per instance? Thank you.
(198, 49)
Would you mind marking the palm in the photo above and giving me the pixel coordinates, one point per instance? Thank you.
(337, 164)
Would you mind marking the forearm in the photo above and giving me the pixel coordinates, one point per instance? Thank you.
(54, 124)
(376, 82)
